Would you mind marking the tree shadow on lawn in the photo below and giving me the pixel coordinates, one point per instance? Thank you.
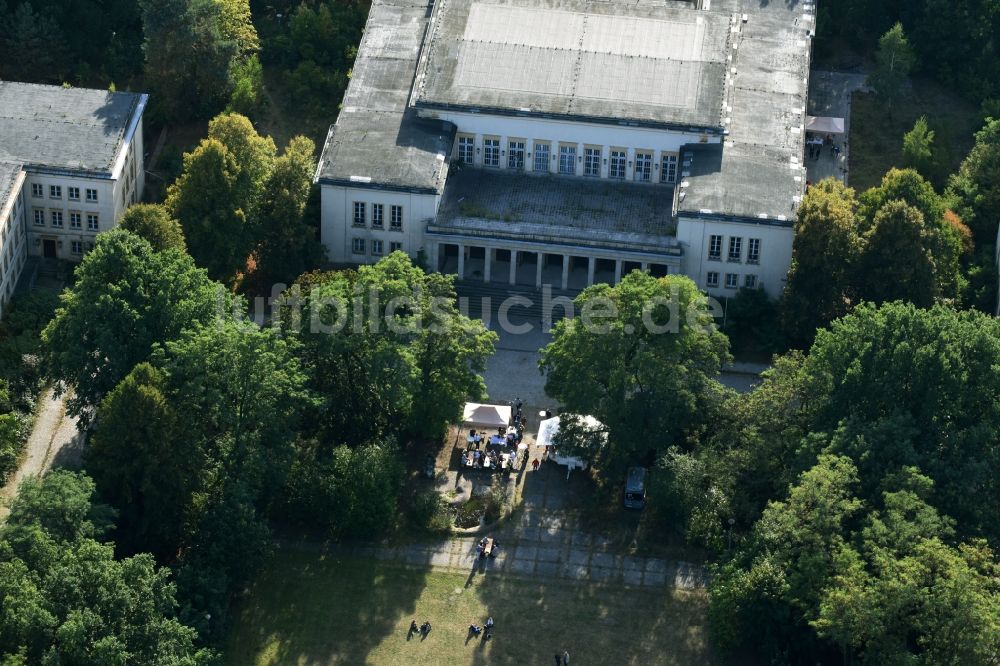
(320, 608)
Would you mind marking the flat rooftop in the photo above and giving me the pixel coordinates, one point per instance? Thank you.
(377, 140)
(558, 209)
(757, 173)
(611, 61)
(64, 128)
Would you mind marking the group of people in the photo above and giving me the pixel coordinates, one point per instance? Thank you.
(816, 147)
(487, 546)
(423, 629)
(499, 451)
(476, 630)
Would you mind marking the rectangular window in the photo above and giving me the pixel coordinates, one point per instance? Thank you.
(668, 169)
(36, 190)
(712, 280)
(643, 166)
(55, 191)
(753, 251)
(541, 156)
(77, 247)
(396, 218)
(93, 222)
(616, 165)
(376, 247)
(715, 248)
(57, 218)
(515, 155)
(491, 152)
(360, 214)
(750, 281)
(567, 160)
(592, 161)
(466, 149)
(732, 280)
(378, 216)
(395, 246)
(735, 248)
(358, 245)
(92, 196)
(39, 218)
(73, 193)
(75, 220)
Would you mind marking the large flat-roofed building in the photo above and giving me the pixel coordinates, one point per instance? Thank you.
(571, 141)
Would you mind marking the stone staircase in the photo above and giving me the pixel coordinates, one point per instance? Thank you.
(481, 300)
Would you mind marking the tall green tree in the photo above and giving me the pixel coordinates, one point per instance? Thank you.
(33, 45)
(153, 222)
(893, 61)
(642, 359)
(897, 263)
(976, 186)
(918, 148)
(126, 299)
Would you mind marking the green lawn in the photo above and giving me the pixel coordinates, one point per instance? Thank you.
(312, 609)
(876, 139)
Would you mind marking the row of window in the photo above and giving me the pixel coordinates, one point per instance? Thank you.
(732, 280)
(591, 159)
(79, 247)
(378, 216)
(75, 219)
(359, 245)
(735, 249)
(55, 192)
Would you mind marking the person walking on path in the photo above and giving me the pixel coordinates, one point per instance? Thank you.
(535, 464)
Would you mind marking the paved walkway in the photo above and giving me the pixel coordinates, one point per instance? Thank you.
(830, 95)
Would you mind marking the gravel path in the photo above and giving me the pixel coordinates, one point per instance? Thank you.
(54, 439)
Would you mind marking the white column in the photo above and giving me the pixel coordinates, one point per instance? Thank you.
(645, 267)
(538, 269)
(461, 262)
(565, 273)
(618, 271)
(591, 268)
(513, 267)
(488, 266)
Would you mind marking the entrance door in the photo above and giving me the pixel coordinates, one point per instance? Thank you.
(48, 248)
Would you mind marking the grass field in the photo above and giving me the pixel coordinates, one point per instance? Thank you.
(876, 139)
(313, 609)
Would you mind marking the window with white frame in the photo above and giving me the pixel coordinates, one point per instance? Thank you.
(715, 248)
(668, 169)
(515, 155)
(753, 251)
(591, 161)
(75, 221)
(377, 247)
(395, 246)
(39, 216)
(37, 191)
(358, 245)
(466, 149)
(735, 248)
(712, 279)
(77, 247)
(378, 216)
(732, 280)
(750, 281)
(92, 196)
(396, 218)
(616, 164)
(491, 152)
(56, 217)
(55, 191)
(567, 160)
(73, 193)
(542, 151)
(93, 222)
(360, 214)
(643, 166)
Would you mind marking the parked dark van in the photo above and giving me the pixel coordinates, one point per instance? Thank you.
(635, 488)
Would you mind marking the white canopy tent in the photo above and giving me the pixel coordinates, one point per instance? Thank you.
(824, 125)
(486, 416)
(547, 432)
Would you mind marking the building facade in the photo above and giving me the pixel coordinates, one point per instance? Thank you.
(530, 142)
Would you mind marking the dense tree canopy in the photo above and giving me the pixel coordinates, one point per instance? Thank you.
(126, 298)
(153, 222)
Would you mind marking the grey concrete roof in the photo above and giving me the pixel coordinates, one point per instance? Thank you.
(8, 176)
(64, 128)
(611, 61)
(376, 141)
(758, 170)
(558, 209)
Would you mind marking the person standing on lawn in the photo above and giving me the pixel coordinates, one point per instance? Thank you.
(565, 658)
(558, 659)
